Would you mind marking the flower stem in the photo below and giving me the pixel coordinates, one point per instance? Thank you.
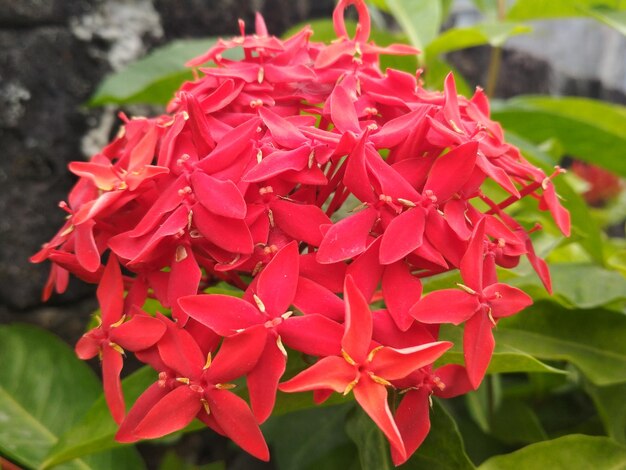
(495, 60)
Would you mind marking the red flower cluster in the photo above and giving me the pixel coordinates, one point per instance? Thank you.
(319, 185)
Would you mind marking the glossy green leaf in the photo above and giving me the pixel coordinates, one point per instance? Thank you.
(435, 73)
(542, 9)
(44, 390)
(612, 18)
(371, 442)
(299, 438)
(419, 19)
(494, 34)
(153, 79)
(611, 405)
(515, 422)
(578, 285)
(573, 452)
(172, 461)
(588, 130)
(441, 450)
(96, 430)
(592, 340)
(505, 359)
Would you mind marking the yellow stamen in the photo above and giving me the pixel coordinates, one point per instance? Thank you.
(119, 322)
(207, 364)
(259, 303)
(225, 386)
(469, 290)
(279, 343)
(67, 231)
(117, 347)
(205, 404)
(379, 380)
(406, 202)
(182, 380)
(350, 386)
(373, 352)
(347, 357)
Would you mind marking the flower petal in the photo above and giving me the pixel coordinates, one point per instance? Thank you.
(227, 233)
(373, 399)
(358, 327)
(112, 364)
(403, 235)
(312, 297)
(394, 364)
(146, 401)
(315, 334)
(263, 379)
(277, 283)
(445, 306)
(478, 344)
(508, 300)
(171, 413)
(347, 238)
(110, 292)
(413, 420)
(180, 351)
(238, 355)
(237, 422)
(224, 314)
(330, 372)
(451, 171)
(401, 290)
(300, 221)
(472, 262)
(140, 332)
(220, 197)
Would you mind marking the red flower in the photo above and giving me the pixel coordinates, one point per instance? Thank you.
(114, 335)
(366, 368)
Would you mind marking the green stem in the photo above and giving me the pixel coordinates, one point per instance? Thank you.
(495, 60)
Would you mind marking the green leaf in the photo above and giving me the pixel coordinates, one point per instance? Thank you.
(577, 285)
(419, 19)
(297, 437)
(515, 422)
(44, 390)
(96, 430)
(153, 79)
(573, 452)
(541, 9)
(443, 448)
(494, 34)
(435, 73)
(172, 461)
(505, 359)
(592, 340)
(612, 18)
(611, 407)
(371, 442)
(587, 129)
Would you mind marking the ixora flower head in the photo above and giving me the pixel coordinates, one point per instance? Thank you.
(242, 182)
